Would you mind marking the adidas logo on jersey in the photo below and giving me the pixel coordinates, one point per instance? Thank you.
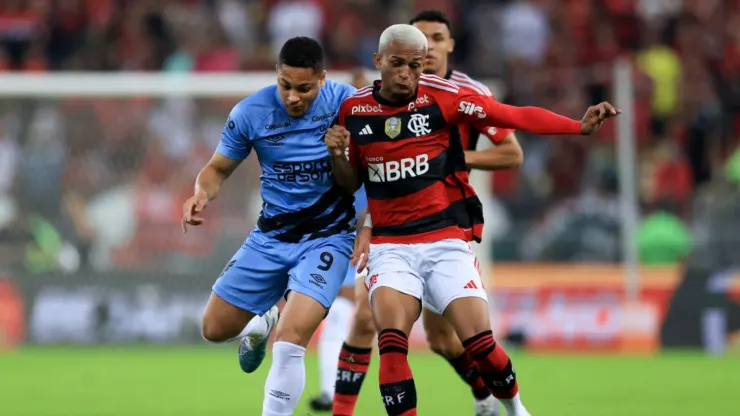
(366, 130)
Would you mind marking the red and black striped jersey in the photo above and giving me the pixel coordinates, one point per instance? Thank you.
(411, 158)
(469, 133)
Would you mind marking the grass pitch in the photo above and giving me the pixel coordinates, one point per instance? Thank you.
(182, 381)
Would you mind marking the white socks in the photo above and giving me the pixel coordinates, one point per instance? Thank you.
(257, 327)
(333, 334)
(514, 406)
(286, 380)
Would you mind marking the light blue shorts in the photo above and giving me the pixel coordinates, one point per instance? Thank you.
(264, 269)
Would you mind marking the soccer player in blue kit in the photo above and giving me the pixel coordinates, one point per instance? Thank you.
(304, 237)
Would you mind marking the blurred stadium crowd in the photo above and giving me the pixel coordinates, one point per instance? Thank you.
(99, 183)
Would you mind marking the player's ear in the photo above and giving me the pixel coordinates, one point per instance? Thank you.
(452, 46)
(377, 59)
(322, 78)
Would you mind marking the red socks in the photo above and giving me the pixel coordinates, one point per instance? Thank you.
(465, 368)
(396, 381)
(493, 365)
(353, 364)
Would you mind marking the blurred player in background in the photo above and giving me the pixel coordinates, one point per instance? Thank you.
(422, 212)
(301, 246)
(440, 334)
(337, 323)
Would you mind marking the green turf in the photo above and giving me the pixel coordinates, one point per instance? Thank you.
(207, 381)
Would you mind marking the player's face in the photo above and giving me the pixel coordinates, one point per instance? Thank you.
(299, 87)
(441, 44)
(400, 67)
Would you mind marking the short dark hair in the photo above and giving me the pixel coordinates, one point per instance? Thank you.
(432, 16)
(302, 52)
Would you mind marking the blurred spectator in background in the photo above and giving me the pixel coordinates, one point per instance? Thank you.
(584, 229)
(31, 243)
(663, 65)
(663, 237)
(106, 172)
(716, 221)
(291, 18)
(9, 162)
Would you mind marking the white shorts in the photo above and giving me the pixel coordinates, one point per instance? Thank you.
(437, 272)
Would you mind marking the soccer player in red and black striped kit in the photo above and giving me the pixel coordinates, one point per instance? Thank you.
(440, 334)
(422, 212)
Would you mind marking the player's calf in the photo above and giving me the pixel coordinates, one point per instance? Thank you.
(443, 341)
(469, 316)
(284, 386)
(354, 358)
(335, 330)
(223, 321)
(394, 314)
(362, 333)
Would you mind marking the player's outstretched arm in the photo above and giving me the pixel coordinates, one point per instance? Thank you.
(337, 141)
(207, 185)
(507, 154)
(482, 109)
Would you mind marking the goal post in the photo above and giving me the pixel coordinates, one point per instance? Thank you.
(129, 84)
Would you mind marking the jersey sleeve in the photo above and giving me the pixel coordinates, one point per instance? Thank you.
(235, 141)
(480, 109)
(494, 134)
(352, 151)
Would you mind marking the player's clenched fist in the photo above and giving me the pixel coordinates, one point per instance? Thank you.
(596, 115)
(191, 208)
(337, 140)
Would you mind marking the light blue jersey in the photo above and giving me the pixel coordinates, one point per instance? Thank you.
(301, 200)
(306, 229)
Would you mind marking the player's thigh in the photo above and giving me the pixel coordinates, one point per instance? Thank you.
(250, 284)
(441, 335)
(321, 268)
(395, 288)
(453, 279)
(363, 330)
(347, 290)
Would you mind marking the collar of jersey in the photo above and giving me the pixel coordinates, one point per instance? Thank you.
(383, 101)
(448, 74)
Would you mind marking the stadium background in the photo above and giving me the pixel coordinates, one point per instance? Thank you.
(101, 294)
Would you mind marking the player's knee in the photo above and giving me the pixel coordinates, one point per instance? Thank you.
(444, 342)
(293, 337)
(287, 332)
(212, 332)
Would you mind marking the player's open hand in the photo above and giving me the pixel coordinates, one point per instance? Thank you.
(191, 208)
(362, 248)
(596, 115)
(337, 140)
